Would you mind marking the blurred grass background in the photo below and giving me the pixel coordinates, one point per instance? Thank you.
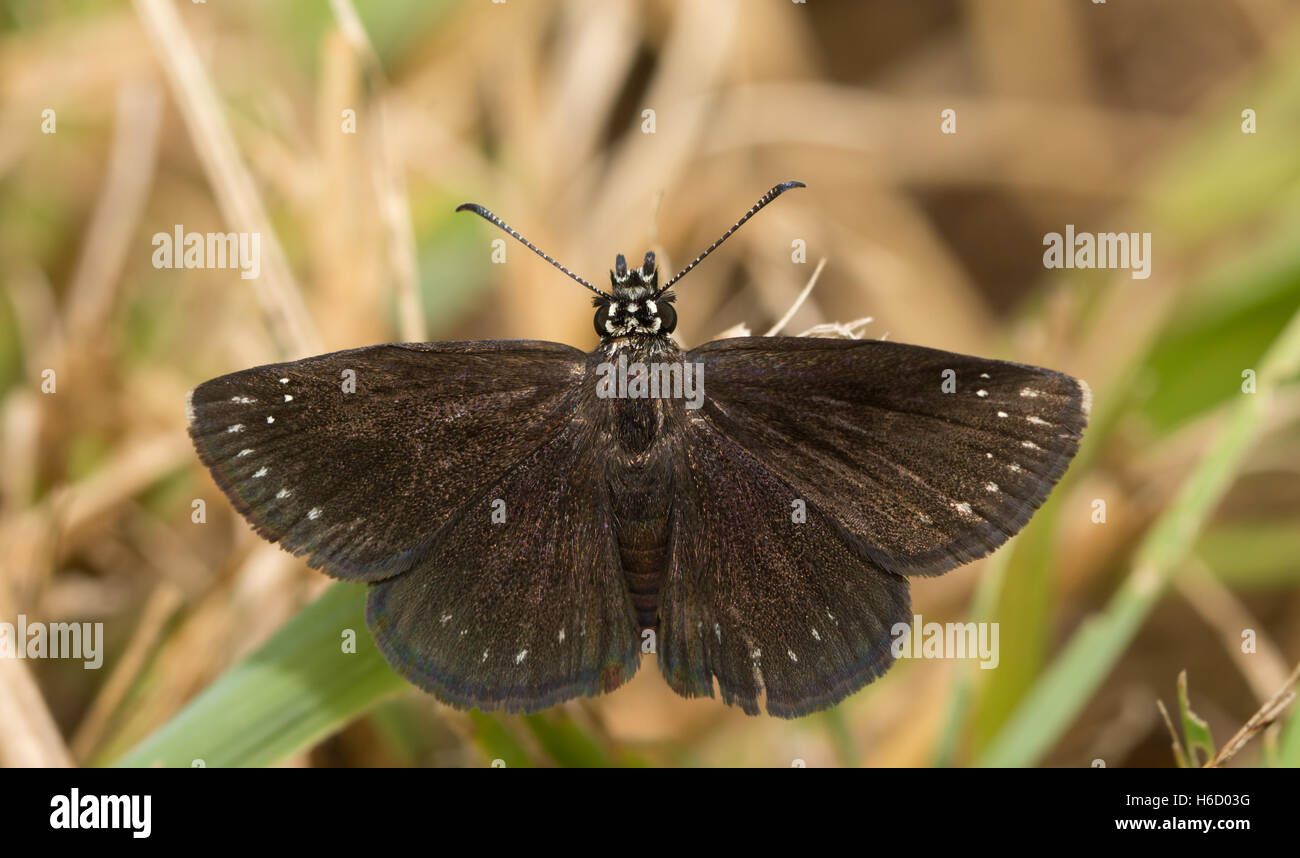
(228, 116)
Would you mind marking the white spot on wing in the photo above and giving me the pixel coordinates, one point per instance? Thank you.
(963, 508)
(261, 472)
(284, 381)
(313, 513)
(283, 493)
(238, 427)
(815, 635)
(991, 487)
(270, 419)
(981, 393)
(561, 635)
(1002, 414)
(242, 400)
(288, 398)
(1014, 468)
(1030, 445)
(1030, 393)
(1037, 421)
(519, 659)
(793, 657)
(247, 451)
(189, 408)
(1086, 392)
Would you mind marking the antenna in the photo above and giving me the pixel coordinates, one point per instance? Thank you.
(762, 201)
(493, 219)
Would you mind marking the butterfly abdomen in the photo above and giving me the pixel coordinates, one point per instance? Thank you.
(644, 586)
(642, 533)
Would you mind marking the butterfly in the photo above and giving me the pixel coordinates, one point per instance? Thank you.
(531, 518)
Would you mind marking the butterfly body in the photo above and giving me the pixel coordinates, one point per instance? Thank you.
(530, 519)
(635, 333)
(640, 477)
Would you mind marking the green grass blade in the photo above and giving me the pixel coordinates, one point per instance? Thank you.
(294, 690)
(1288, 752)
(565, 742)
(1196, 731)
(963, 686)
(496, 741)
(1062, 691)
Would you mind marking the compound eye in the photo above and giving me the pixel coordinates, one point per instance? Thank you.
(667, 318)
(602, 316)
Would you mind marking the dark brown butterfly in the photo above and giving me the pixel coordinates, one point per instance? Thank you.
(530, 517)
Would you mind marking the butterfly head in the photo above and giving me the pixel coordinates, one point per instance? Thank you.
(635, 306)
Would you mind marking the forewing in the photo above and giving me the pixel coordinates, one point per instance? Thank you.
(355, 459)
(521, 603)
(915, 479)
(762, 598)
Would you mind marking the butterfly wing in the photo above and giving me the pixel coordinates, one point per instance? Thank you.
(520, 603)
(816, 475)
(761, 598)
(356, 459)
(464, 480)
(916, 479)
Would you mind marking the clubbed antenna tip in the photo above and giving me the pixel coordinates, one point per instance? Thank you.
(775, 192)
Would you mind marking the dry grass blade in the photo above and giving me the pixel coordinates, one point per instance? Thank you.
(149, 629)
(1267, 714)
(236, 193)
(798, 302)
(30, 737)
(389, 182)
(117, 212)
